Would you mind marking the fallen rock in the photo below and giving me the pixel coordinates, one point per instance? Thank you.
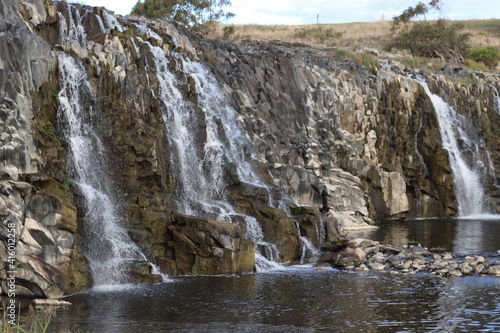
(50, 302)
(494, 270)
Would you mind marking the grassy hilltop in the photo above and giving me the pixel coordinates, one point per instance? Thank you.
(351, 37)
(358, 34)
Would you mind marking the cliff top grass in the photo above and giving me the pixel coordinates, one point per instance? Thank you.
(357, 34)
(351, 37)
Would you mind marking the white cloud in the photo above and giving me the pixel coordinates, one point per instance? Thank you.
(264, 12)
(312, 10)
(330, 11)
(251, 17)
(261, 5)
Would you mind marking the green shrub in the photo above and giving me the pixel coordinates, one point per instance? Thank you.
(343, 54)
(318, 34)
(413, 62)
(475, 65)
(431, 39)
(368, 60)
(228, 31)
(487, 55)
(438, 39)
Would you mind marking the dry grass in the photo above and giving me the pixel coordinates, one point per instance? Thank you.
(347, 35)
(352, 36)
(484, 32)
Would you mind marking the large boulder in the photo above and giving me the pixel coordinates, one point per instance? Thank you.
(204, 247)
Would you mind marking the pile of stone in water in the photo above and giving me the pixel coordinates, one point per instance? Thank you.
(363, 255)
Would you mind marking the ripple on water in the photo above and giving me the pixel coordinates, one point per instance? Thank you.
(294, 299)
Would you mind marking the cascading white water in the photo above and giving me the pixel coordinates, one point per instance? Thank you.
(213, 103)
(308, 253)
(496, 99)
(74, 30)
(201, 190)
(108, 246)
(110, 22)
(469, 190)
(423, 169)
(142, 29)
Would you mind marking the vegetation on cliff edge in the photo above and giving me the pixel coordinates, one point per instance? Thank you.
(431, 39)
(204, 15)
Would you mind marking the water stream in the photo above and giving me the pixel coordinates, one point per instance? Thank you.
(467, 166)
(72, 30)
(108, 247)
(308, 253)
(201, 187)
(496, 99)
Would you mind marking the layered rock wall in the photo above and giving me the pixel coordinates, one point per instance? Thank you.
(38, 213)
(358, 146)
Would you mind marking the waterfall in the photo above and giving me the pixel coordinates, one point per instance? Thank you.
(108, 247)
(423, 169)
(74, 30)
(201, 188)
(496, 99)
(467, 172)
(110, 22)
(309, 253)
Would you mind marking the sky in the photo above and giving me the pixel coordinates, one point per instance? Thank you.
(330, 11)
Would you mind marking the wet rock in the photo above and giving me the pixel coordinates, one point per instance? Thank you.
(377, 266)
(494, 270)
(49, 302)
(438, 264)
(454, 272)
(467, 269)
(479, 269)
(142, 272)
(447, 256)
(414, 252)
(359, 253)
(204, 247)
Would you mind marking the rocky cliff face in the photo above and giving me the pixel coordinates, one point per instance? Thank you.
(358, 145)
(33, 201)
(355, 146)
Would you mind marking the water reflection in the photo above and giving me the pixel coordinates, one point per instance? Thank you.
(297, 300)
(465, 236)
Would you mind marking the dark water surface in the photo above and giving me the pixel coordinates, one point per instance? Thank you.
(299, 299)
(465, 236)
(302, 299)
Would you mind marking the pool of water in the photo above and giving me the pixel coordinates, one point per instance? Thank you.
(478, 235)
(296, 299)
(305, 299)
